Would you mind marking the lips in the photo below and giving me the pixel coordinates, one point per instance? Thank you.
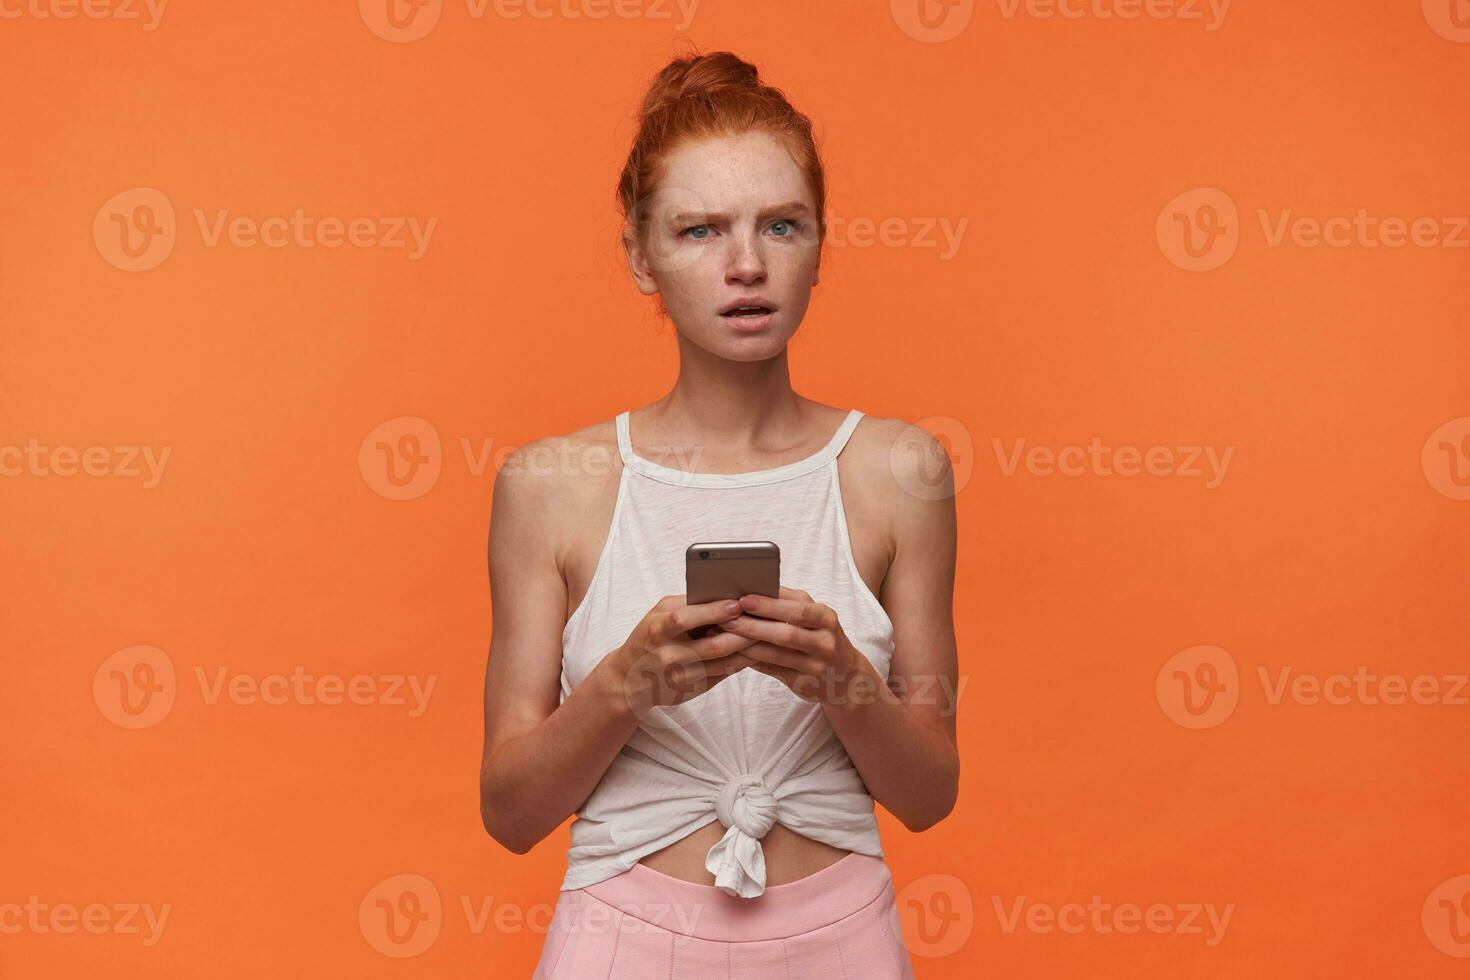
(750, 306)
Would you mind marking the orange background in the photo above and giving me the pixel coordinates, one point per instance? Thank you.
(1061, 318)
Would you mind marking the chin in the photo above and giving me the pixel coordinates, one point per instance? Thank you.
(747, 348)
(747, 356)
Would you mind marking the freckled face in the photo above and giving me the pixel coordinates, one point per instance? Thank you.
(733, 220)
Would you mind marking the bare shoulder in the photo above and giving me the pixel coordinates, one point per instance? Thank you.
(892, 454)
(559, 463)
(901, 477)
(546, 483)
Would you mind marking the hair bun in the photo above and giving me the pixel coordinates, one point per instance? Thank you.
(699, 76)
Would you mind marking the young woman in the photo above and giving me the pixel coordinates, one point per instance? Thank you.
(723, 786)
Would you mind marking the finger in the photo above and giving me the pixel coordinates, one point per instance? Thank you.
(802, 685)
(699, 676)
(788, 609)
(782, 634)
(779, 656)
(725, 666)
(717, 645)
(681, 620)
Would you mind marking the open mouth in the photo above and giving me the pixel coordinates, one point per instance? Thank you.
(747, 311)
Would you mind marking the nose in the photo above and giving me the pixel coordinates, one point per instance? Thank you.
(746, 260)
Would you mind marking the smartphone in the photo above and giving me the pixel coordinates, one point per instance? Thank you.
(728, 570)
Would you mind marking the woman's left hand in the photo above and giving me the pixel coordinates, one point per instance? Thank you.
(801, 643)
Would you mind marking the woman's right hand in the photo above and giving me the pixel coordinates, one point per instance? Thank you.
(660, 664)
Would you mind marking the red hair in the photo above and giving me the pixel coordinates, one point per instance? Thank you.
(715, 94)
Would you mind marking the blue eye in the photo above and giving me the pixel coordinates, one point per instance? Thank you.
(782, 227)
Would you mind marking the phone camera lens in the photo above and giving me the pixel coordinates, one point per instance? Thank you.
(704, 554)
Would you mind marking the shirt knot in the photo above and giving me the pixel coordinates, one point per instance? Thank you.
(746, 804)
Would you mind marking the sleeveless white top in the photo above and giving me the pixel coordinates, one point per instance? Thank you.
(748, 752)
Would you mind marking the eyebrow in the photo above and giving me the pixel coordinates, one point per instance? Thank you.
(680, 217)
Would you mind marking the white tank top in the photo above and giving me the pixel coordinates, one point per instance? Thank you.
(748, 752)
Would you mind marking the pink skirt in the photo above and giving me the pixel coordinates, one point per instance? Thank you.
(840, 922)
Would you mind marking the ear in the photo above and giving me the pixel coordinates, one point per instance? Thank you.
(638, 262)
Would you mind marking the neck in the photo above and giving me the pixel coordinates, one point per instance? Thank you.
(733, 403)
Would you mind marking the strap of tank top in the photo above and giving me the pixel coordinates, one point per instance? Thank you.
(843, 433)
(658, 471)
(625, 444)
(830, 451)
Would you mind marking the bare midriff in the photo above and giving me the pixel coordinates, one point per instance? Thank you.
(789, 855)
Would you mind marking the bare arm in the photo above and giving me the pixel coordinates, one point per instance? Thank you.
(904, 747)
(542, 760)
